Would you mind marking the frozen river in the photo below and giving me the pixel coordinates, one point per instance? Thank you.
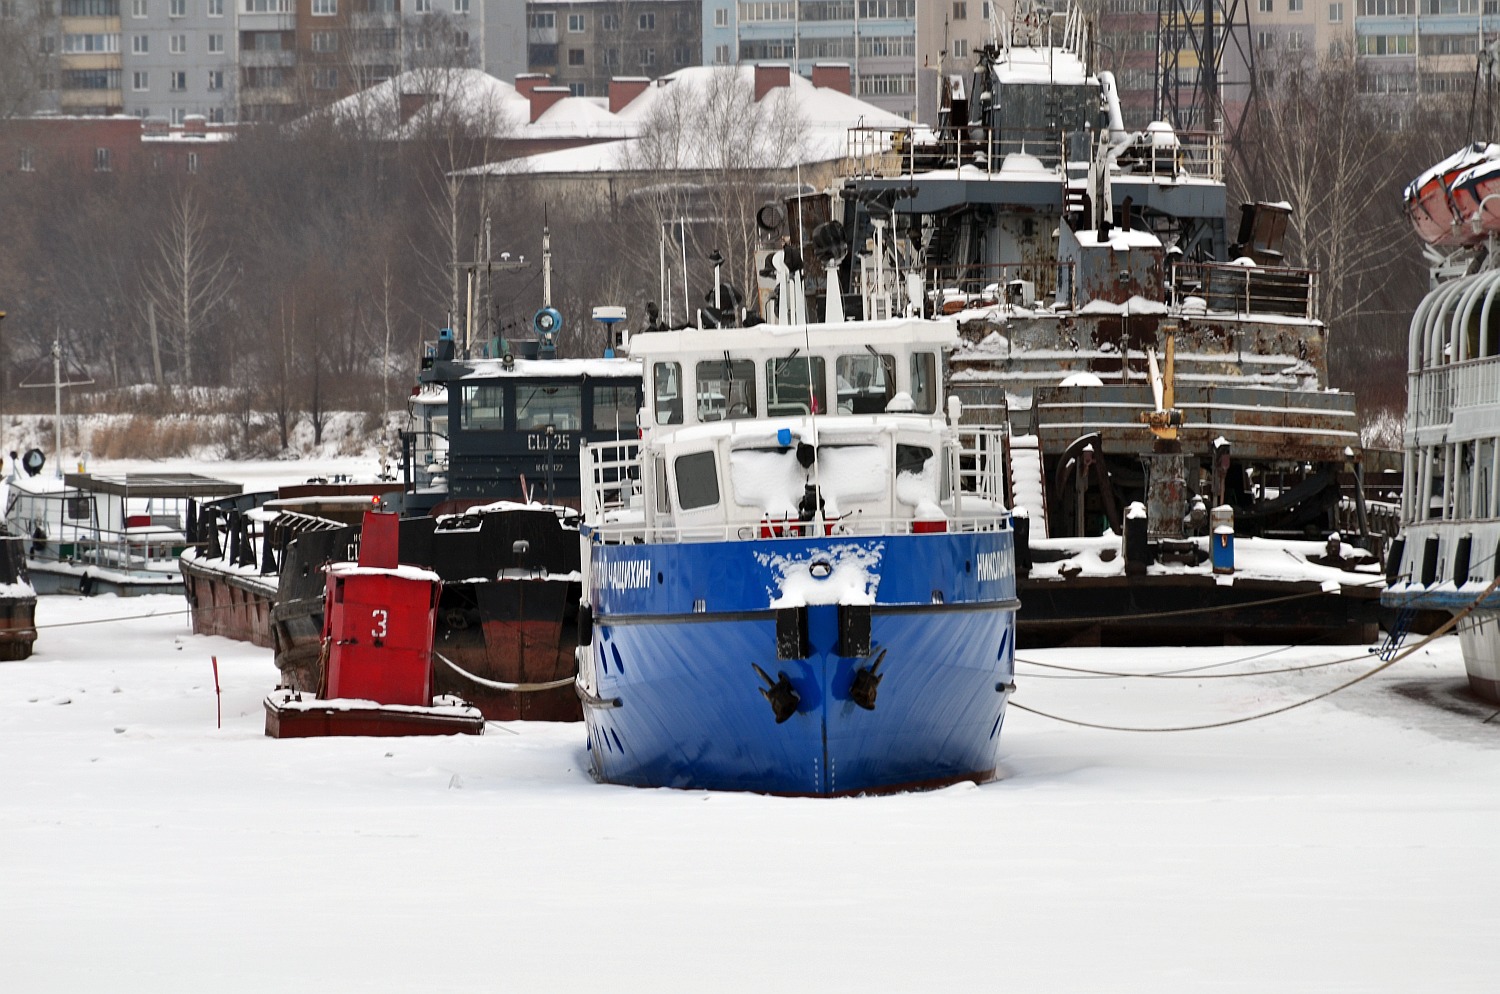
(1349, 845)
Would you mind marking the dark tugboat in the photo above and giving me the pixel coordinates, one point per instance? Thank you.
(1073, 253)
(488, 498)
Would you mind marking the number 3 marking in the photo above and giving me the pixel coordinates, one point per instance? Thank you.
(380, 616)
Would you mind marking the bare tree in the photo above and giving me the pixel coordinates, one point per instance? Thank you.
(711, 155)
(189, 278)
(26, 31)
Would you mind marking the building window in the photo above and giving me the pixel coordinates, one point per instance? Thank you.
(721, 18)
(886, 86)
(575, 23)
(1294, 41)
(611, 57)
(1264, 40)
(543, 20)
(460, 6)
(216, 79)
(177, 81)
(461, 41)
(1335, 13)
(325, 8)
(960, 48)
(682, 55)
(137, 8)
(576, 57)
(647, 22)
(140, 81)
(140, 44)
(28, 159)
(424, 6)
(326, 79)
(541, 55)
(578, 89)
(960, 11)
(215, 8)
(1294, 6)
(1267, 6)
(609, 22)
(88, 44)
(648, 56)
(101, 160)
(176, 8)
(215, 44)
(721, 55)
(178, 44)
(325, 41)
(192, 162)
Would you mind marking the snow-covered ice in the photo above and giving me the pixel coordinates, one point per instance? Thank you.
(1348, 845)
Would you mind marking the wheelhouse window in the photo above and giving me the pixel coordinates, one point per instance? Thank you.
(726, 389)
(924, 382)
(560, 406)
(666, 382)
(614, 407)
(483, 407)
(866, 382)
(796, 384)
(697, 481)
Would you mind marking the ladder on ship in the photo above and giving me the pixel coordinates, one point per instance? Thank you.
(1397, 633)
(1028, 486)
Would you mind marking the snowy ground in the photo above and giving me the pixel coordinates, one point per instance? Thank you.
(1345, 846)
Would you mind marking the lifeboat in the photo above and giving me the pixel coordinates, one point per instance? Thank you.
(1476, 199)
(1430, 202)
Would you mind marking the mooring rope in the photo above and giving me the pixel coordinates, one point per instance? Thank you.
(519, 688)
(1441, 630)
(1191, 673)
(1188, 611)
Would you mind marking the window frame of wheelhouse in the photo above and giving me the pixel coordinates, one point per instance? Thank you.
(501, 426)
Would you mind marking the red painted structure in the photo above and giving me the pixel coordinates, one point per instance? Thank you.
(378, 623)
(379, 620)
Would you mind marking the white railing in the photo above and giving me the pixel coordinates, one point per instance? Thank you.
(611, 476)
(1437, 392)
(852, 525)
(611, 482)
(1476, 383)
(979, 463)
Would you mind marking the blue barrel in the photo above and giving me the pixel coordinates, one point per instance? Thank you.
(1221, 538)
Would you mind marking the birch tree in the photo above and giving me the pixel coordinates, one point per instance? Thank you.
(712, 155)
(189, 278)
(1324, 149)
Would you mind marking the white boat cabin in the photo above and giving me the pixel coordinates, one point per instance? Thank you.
(796, 430)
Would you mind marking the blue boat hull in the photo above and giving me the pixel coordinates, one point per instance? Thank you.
(678, 679)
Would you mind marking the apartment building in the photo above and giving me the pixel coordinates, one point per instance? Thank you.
(240, 60)
(877, 39)
(178, 57)
(584, 43)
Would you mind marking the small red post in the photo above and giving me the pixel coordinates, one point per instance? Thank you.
(218, 698)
